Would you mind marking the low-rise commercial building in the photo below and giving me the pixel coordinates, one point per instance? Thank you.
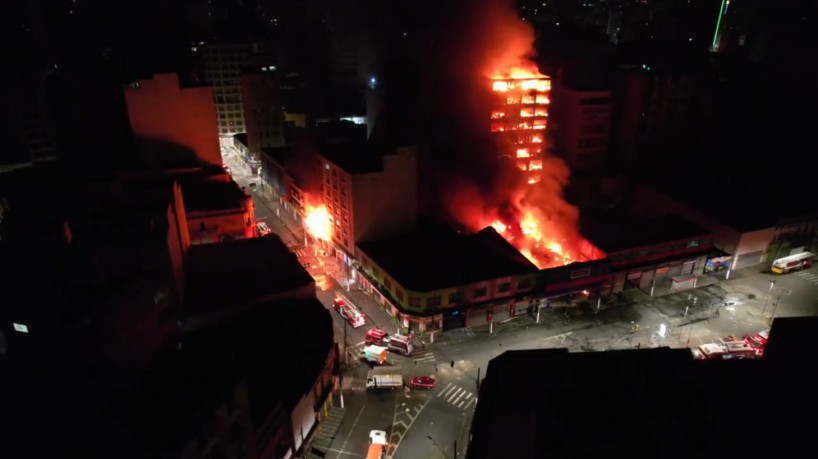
(437, 279)
(774, 228)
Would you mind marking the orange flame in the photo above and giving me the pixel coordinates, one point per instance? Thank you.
(319, 222)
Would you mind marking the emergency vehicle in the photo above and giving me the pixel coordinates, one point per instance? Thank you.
(349, 312)
(401, 344)
(376, 336)
(377, 444)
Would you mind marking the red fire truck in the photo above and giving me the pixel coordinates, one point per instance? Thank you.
(349, 311)
(377, 336)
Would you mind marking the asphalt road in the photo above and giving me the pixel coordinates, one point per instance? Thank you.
(427, 423)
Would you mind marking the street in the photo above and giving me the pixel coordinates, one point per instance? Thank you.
(429, 422)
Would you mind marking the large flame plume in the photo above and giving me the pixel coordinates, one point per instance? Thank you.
(318, 221)
(529, 209)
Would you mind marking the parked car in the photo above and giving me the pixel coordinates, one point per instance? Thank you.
(263, 229)
(423, 382)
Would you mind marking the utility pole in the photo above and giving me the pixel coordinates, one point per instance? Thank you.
(346, 361)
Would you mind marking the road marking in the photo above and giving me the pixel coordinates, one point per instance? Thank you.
(560, 336)
(354, 423)
(460, 405)
(459, 397)
(470, 402)
(454, 394)
(394, 444)
(428, 356)
(359, 344)
(338, 451)
(444, 389)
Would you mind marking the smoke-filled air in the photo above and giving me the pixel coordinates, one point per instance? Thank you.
(489, 130)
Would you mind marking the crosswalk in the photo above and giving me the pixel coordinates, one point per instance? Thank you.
(458, 397)
(424, 357)
(807, 276)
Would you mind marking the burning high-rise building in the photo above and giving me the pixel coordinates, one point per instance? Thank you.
(520, 117)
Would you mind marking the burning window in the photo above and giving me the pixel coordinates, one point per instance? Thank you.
(512, 100)
(497, 114)
(539, 124)
(529, 99)
(497, 127)
(500, 86)
(527, 112)
(523, 153)
(541, 99)
(540, 112)
(535, 165)
(536, 139)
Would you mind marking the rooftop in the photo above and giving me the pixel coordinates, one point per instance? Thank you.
(468, 258)
(615, 232)
(642, 403)
(353, 157)
(239, 273)
(208, 195)
(209, 366)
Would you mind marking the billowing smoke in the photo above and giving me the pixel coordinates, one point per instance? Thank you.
(461, 45)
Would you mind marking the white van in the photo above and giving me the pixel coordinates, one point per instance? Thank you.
(795, 262)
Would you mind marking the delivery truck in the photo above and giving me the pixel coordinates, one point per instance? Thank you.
(375, 381)
(374, 354)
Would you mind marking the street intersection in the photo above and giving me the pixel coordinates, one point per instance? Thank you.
(434, 423)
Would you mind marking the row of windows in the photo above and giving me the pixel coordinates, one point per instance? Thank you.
(455, 297)
(232, 131)
(238, 124)
(224, 115)
(656, 250)
(228, 99)
(227, 90)
(232, 74)
(223, 107)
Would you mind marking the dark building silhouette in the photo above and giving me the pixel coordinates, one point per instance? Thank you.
(649, 403)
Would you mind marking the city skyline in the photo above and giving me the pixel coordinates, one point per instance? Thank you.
(228, 227)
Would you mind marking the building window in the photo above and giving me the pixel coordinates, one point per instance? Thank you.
(505, 287)
(481, 292)
(414, 301)
(692, 244)
(387, 284)
(399, 294)
(525, 284)
(456, 298)
(433, 301)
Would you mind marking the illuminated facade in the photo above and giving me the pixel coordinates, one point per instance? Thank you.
(520, 118)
